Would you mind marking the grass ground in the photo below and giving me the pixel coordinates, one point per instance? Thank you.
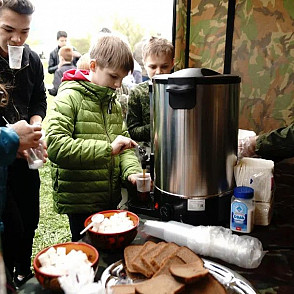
(53, 228)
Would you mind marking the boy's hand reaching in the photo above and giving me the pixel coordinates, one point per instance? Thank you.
(122, 143)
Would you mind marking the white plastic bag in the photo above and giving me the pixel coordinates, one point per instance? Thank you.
(245, 146)
(80, 280)
(256, 173)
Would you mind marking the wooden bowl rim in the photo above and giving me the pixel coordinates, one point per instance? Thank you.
(37, 268)
(113, 211)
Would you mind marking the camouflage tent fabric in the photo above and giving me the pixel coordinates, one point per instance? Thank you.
(262, 55)
(180, 34)
(207, 34)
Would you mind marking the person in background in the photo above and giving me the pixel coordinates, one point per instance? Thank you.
(84, 62)
(275, 145)
(105, 30)
(158, 58)
(53, 63)
(139, 58)
(88, 144)
(133, 78)
(65, 54)
(27, 101)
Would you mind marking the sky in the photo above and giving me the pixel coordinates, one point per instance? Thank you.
(83, 18)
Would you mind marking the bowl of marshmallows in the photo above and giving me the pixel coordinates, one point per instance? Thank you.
(58, 260)
(117, 229)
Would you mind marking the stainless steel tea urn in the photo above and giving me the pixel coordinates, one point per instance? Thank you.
(194, 131)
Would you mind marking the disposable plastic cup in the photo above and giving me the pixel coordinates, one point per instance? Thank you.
(15, 56)
(35, 157)
(143, 187)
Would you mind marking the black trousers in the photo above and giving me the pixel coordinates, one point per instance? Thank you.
(21, 216)
(76, 224)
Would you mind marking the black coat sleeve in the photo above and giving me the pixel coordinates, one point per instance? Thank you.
(53, 62)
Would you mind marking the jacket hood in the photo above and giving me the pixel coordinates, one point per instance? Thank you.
(76, 75)
(77, 80)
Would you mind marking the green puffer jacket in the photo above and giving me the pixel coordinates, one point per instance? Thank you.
(84, 121)
(138, 117)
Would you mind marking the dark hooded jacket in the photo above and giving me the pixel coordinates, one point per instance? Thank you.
(85, 119)
(27, 93)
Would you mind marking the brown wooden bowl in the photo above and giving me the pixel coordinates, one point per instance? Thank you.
(51, 281)
(113, 241)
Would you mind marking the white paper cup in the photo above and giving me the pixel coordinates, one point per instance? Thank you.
(15, 56)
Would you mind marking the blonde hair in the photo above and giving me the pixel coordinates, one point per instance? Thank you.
(111, 51)
(66, 52)
(155, 46)
(84, 62)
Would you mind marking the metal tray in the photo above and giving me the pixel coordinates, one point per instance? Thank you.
(232, 281)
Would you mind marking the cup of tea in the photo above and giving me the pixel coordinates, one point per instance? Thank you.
(15, 56)
(143, 182)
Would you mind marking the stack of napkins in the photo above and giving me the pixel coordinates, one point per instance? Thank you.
(257, 173)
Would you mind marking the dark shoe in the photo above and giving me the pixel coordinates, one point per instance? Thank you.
(19, 280)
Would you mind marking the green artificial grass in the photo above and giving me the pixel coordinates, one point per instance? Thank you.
(53, 228)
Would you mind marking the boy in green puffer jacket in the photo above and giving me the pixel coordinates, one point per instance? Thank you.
(88, 144)
(158, 58)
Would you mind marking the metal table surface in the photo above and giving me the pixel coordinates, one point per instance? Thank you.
(276, 271)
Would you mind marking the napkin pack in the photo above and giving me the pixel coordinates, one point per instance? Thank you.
(257, 173)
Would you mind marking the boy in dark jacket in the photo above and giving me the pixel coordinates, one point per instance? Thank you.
(88, 144)
(54, 57)
(65, 63)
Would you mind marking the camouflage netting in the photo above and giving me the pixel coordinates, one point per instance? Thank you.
(263, 54)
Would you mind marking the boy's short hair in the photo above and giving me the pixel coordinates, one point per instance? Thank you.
(18, 6)
(111, 51)
(66, 52)
(155, 46)
(61, 34)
